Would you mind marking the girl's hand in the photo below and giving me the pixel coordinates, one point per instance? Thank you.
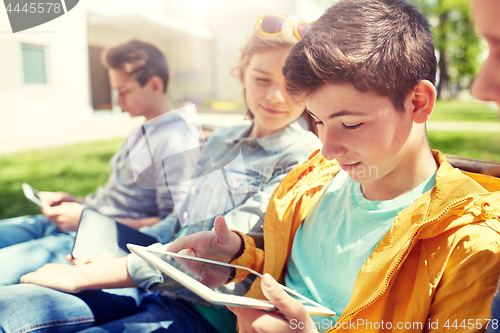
(220, 245)
(56, 276)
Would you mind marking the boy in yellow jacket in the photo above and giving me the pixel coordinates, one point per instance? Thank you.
(377, 227)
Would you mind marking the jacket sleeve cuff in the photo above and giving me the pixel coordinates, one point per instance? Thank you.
(246, 259)
(142, 273)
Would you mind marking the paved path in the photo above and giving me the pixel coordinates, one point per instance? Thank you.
(91, 129)
(463, 126)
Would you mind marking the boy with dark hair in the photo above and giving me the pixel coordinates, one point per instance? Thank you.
(378, 227)
(140, 60)
(138, 72)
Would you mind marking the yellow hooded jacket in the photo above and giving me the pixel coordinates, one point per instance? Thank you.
(435, 270)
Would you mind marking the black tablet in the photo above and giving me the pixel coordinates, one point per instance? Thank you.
(100, 234)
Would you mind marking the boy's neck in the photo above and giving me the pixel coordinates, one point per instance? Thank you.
(162, 107)
(418, 166)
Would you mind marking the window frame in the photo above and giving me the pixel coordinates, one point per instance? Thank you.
(46, 56)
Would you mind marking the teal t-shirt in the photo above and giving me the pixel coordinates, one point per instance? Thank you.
(337, 237)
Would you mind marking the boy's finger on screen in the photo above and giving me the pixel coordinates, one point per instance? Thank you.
(286, 304)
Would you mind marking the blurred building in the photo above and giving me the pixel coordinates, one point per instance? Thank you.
(54, 90)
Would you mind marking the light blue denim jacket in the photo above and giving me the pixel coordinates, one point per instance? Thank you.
(266, 160)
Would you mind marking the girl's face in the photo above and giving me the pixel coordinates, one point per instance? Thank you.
(266, 96)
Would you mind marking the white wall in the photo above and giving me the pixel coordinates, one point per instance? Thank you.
(30, 109)
(58, 113)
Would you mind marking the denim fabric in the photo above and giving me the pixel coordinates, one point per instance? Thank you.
(21, 229)
(494, 325)
(266, 160)
(27, 243)
(32, 308)
(159, 314)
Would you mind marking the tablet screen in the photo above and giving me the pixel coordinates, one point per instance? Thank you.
(215, 274)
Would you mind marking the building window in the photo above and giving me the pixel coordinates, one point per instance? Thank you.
(34, 64)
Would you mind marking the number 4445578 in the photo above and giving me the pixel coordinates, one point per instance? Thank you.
(471, 324)
(33, 8)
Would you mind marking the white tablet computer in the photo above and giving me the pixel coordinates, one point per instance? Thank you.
(205, 278)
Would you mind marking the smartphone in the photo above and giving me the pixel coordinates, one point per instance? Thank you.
(32, 195)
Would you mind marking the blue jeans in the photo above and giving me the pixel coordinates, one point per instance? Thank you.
(30, 308)
(29, 242)
(494, 325)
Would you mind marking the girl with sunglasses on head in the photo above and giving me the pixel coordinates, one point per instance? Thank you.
(278, 139)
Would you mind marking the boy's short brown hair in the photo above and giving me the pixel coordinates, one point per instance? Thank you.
(140, 60)
(384, 46)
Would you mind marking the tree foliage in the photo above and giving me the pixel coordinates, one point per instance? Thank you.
(457, 44)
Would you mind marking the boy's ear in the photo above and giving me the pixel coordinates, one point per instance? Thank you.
(422, 97)
(156, 84)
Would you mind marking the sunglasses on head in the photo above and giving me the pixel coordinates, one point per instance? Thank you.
(273, 25)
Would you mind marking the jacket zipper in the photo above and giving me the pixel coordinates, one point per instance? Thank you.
(412, 238)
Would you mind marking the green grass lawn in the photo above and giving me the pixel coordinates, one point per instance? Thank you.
(481, 145)
(464, 111)
(81, 168)
(77, 169)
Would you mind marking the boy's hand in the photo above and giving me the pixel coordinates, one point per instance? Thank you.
(220, 244)
(55, 198)
(56, 276)
(65, 216)
(250, 320)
